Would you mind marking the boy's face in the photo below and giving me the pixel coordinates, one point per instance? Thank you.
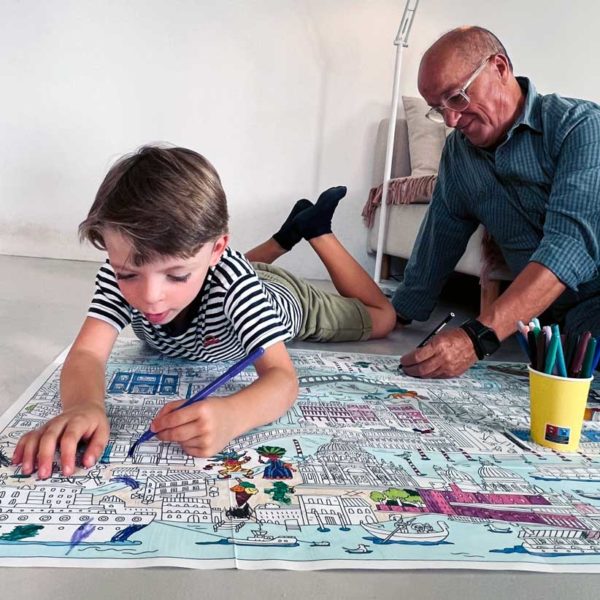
(163, 288)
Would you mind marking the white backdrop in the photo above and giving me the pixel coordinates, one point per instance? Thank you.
(283, 96)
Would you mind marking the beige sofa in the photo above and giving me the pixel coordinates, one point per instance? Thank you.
(404, 220)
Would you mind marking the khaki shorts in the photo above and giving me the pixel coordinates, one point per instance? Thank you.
(326, 317)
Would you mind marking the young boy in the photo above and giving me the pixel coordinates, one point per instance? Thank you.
(161, 215)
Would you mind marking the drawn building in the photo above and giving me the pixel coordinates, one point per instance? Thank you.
(342, 463)
(152, 452)
(140, 474)
(325, 412)
(271, 512)
(134, 382)
(176, 484)
(409, 416)
(502, 495)
(181, 509)
(323, 510)
(362, 414)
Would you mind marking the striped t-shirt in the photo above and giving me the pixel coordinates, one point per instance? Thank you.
(234, 313)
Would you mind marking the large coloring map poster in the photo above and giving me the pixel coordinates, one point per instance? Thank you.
(369, 469)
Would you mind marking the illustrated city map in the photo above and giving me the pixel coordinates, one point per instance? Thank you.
(369, 469)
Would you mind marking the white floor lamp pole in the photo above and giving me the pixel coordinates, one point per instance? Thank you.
(401, 42)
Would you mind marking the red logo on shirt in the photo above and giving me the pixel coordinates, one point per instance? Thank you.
(211, 341)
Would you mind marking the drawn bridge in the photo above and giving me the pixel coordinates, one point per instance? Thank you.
(253, 439)
(312, 380)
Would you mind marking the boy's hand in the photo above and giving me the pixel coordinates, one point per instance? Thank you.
(37, 448)
(202, 429)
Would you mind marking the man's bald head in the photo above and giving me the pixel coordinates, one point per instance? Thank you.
(468, 45)
(471, 63)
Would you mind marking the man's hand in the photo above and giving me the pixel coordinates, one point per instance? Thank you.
(448, 354)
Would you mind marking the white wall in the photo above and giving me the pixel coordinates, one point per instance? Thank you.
(283, 96)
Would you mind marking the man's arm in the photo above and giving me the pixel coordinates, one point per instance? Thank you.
(530, 294)
(567, 256)
(442, 240)
(451, 352)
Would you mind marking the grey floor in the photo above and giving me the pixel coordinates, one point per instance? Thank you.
(42, 304)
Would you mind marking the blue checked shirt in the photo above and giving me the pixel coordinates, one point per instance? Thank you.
(537, 193)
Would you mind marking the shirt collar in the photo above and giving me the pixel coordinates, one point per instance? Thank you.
(531, 116)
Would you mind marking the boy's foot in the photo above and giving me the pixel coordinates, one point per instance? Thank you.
(288, 235)
(316, 220)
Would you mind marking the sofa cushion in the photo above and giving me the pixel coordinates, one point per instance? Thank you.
(426, 139)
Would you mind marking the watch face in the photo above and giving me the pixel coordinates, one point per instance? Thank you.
(484, 339)
(489, 342)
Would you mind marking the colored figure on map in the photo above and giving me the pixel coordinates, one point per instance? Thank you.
(243, 490)
(276, 468)
(280, 491)
(232, 462)
(397, 393)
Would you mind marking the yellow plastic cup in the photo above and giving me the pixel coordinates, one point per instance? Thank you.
(557, 408)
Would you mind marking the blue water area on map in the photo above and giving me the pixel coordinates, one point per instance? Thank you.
(514, 550)
(522, 550)
(159, 539)
(375, 540)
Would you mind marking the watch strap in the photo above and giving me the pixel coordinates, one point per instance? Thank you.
(466, 327)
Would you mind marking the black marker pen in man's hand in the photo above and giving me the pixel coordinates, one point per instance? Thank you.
(441, 326)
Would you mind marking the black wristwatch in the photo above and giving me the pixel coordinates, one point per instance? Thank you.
(485, 341)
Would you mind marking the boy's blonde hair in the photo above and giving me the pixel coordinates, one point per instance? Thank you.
(167, 201)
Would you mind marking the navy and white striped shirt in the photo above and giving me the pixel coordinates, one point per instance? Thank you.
(234, 313)
(537, 193)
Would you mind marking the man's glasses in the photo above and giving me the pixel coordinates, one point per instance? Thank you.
(458, 100)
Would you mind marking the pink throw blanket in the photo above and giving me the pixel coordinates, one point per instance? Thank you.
(403, 190)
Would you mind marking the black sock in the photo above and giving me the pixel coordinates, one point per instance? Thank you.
(316, 220)
(288, 235)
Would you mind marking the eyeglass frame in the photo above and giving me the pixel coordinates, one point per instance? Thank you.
(435, 112)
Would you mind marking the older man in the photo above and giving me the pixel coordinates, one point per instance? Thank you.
(525, 165)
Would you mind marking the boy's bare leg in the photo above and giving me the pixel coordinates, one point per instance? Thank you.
(348, 277)
(352, 281)
(282, 241)
(267, 252)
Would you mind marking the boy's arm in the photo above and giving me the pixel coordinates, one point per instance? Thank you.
(83, 417)
(82, 379)
(204, 428)
(271, 395)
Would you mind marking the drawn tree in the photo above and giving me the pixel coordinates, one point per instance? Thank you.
(397, 497)
(410, 497)
(377, 497)
(393, 496)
